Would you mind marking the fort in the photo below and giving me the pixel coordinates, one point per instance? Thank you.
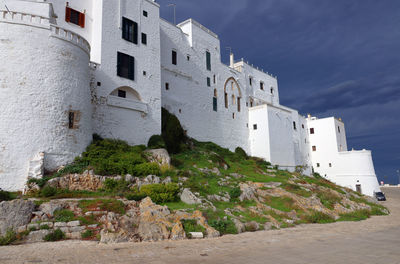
(70, 69)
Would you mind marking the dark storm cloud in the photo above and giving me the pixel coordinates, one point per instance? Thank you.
(336, 57)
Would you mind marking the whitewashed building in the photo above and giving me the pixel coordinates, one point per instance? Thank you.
(73, 68)
(70, 69)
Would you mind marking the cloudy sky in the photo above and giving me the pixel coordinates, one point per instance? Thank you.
(338, 58)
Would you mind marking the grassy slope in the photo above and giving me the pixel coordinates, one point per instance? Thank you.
(195, 163)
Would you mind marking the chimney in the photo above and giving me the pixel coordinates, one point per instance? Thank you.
(232, 60)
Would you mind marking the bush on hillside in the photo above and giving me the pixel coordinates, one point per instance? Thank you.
(48, 191)
(161, 193)
(5, 196)
(241, 153)
(56, 235)
(145, 169)
(172, 132)
(8, 238)
(156, 142)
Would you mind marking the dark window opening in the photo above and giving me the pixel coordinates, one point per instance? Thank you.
(262, 86)
(188, 58)
(126, 66)
(167, 86)
(180, 111)
(75, 17)
(71, 120)
(251, 81)
(238, 104)
(338, 128)
(98, 83)
(311, 130)
(215, 104)
(145, 14)
(226, 100)
(122, 93)
(208, 81)
(174, 58)
(255, 126)
(208, 60)
(314, 148)
(318, 164)
(294, 125)
(233, 115)
(214, 79)
(272, 90)
(144, 73)
(144, 39)
(330, 164)
(129, 30)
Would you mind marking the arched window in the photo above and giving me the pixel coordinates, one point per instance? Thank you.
(126, 92)
(226, 100)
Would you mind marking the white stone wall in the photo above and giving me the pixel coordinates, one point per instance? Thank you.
(42, 77)
(133, 119)
(189, 97)
(346, 168)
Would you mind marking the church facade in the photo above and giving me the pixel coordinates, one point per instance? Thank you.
(78, 67)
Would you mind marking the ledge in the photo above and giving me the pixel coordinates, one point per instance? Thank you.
(134, 105)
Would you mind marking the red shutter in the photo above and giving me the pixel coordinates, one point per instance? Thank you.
(82, 20)
(67, 14)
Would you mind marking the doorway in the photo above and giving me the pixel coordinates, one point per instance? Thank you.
(358, 188)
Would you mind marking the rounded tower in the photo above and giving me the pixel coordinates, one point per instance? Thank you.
(45, 109)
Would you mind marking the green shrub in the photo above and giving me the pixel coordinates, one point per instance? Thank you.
(48, 191)
(192, 226)
(172, 132)
(56, 235)
(5, 196)
(224, 226)
(241, 153)
(44, 227)
(319, 217)
(145, 169)
(135, 196)
(355, 216)
(87, 234)
(156, 142)
(328, 199)
(8, 238)
(111, 185)
(161, 193)
(64, 215)
(235, 193)
(261, 162)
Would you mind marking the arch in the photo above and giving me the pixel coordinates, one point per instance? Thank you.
(130, 93)
(233, 82)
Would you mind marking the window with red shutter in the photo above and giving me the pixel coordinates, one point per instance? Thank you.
(75, 17)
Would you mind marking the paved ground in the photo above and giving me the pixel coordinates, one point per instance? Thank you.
(376, 240)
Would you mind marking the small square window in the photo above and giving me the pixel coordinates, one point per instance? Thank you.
(167, 86)
(311, 130)
(75, 17)
(144, 39)
(144, 73)
(98, 83)
(122, 93)
(330, 164)
(314, 148)
(262, 86)
(145, 14)
(255, 126)
(188, 58)
(318, 165)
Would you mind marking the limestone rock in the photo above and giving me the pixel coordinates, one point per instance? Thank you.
(37, 236)
(252, 226)
(78, 182)
(240, 227)
(36, 167)
(50, 207)
(111, 238)
(218, 198)
(189, 198)
(159, 156)
(248, 192)
(14, 214)
(177, 231)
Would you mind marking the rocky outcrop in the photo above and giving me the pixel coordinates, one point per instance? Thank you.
(248, 192)
(159, 156)
(14, 214)
(189, 198)
(78, 182)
